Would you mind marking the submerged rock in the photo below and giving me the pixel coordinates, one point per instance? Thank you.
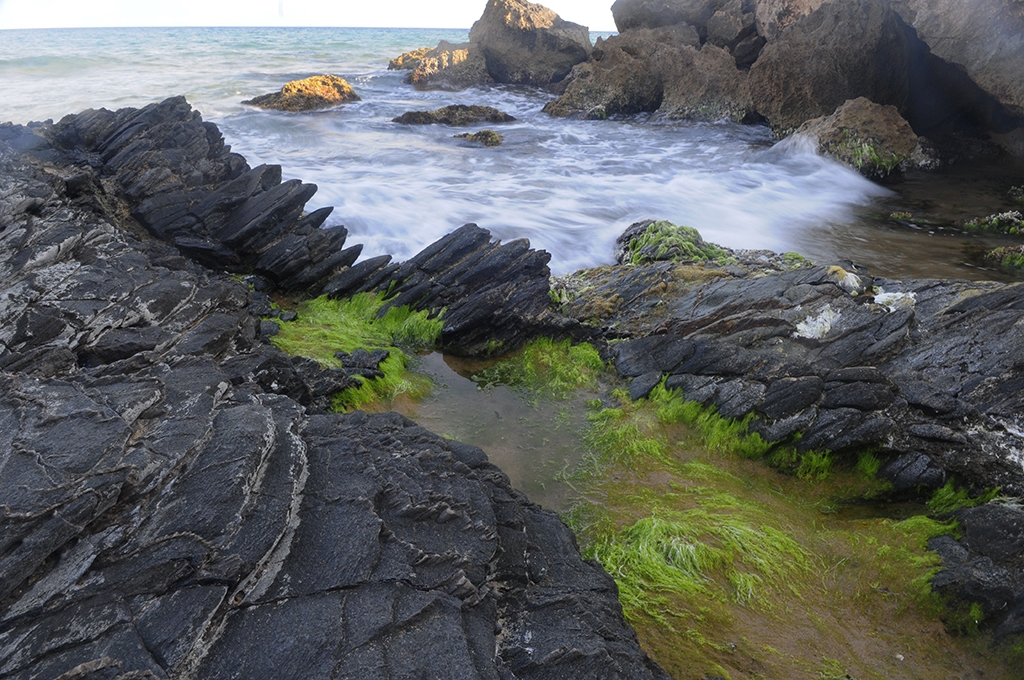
(308, 94)
(1009, 257)
(456, 115)
(485, 137)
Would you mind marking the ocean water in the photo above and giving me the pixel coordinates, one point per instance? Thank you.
(570, 186)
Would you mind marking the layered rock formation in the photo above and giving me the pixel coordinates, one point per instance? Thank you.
(927, 372)
(950, 69)
(166, 173)
(172, 508)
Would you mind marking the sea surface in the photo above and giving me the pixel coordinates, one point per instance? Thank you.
(570, 186)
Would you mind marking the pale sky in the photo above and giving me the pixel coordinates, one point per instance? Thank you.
(339, 13)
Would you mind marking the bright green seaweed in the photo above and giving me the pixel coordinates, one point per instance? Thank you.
(325, 326)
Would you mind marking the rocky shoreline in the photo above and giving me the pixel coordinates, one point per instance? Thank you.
(786, 63)
(175, 494)
(170, 503)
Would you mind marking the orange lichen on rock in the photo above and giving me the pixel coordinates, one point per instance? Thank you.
(308, 94)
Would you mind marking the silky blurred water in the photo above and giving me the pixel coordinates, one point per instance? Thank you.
(569, 186)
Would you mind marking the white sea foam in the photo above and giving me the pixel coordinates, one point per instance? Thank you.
(570, 186)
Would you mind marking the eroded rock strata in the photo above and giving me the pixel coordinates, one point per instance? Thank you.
(927, 373)
(175, 504)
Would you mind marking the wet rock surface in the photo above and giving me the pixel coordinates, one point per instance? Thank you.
(175, 501)
(455, 115)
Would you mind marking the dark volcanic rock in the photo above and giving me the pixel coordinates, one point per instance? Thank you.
(170, 508)
(495, 296)
(162, 168)
(924, 371)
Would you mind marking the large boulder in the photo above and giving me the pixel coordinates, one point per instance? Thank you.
(775, 15)
(663, 70)
(308, 94)
(841, 51)
(984, 38)
(447, 67)
(528, 44)
(875, 140)
(630, 14)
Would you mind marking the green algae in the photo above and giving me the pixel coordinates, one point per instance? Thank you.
(664, 241)
(863, 154)
(948, 498)
(1008, 257)
(728, 567)
(717, 563)
(548, 368)
(1010, 222)
(325, 326)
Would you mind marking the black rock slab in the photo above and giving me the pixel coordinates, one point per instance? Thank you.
(175, 501)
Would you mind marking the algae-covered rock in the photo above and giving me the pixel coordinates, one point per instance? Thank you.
(308, 94)
(650, 241)
(874, 140)
(1010, 222)
(456, 114)
(485, 137)
(1008, 257)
